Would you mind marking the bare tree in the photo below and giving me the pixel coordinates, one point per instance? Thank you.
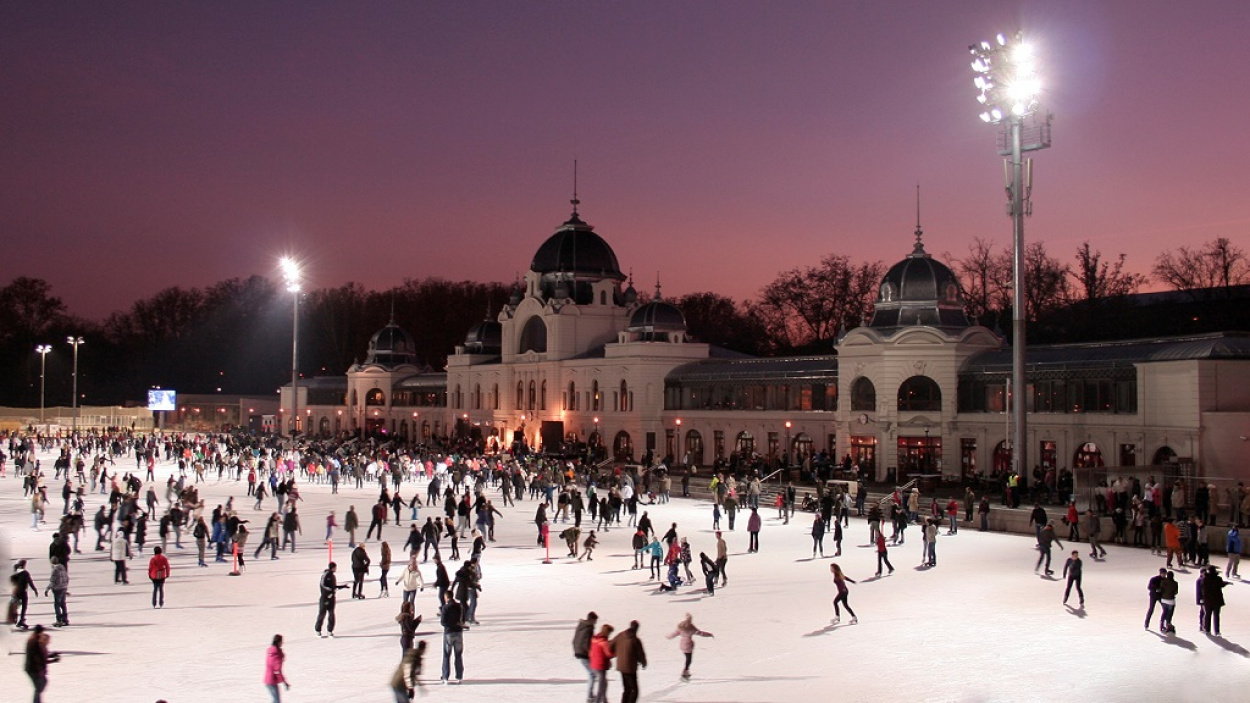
(986, 284)
(1218, 264)
(1045, 281)
(1097, 279)
(805, 307)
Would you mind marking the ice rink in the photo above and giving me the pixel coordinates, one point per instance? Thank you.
(981, 626)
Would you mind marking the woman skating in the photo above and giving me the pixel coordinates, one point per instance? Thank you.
(686, 630)
(274, 658)
(385, 565)
(411, 580)
(408, 624)
(839, 581)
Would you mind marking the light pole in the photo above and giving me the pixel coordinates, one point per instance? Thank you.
(75, 341)
(1009, 86)
(678, 454)
(42, 350)
(291, 276)
(786, 453)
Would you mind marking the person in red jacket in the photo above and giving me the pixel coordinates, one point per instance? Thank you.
(600, 661)
(158, 571)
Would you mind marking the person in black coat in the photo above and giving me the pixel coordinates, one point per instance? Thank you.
(37, 660)
(325, 605)
(21, 581)
(360, 567)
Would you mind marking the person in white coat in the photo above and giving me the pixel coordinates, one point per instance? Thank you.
(119, 552)
(411, 580)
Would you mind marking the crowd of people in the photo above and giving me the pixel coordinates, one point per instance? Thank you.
(461, 487)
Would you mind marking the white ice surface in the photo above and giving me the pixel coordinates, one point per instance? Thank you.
(982, 626)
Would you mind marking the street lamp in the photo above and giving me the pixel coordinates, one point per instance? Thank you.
(291, 276)
(786, 454)
(75, 341)
(1008, 87)
(42, 350)
(678, 455)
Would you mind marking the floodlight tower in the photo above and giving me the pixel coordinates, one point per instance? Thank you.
(1008, 87)
(291, 276)
(42, 350)
(75, 342)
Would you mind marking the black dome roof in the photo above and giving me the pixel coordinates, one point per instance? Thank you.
(576, 249)
(919, 290)
(392, 346)
(657, 316)
(486, 337)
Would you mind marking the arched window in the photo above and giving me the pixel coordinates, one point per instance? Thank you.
(324, 427)
(623, 447)
(863, 395)
(624, 399)
(477, 396)
(542, 396)
(571, 402)
(375, 397)
(745, 445)
(494, 398)
(919, 394)
(533, 396)
(594, 396)
(1165, 455)
(694, 448)
(533, 336)
(520, 395)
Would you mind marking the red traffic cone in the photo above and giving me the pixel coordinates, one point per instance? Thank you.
(234, 551)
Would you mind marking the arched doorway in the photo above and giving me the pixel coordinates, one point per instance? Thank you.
(745, 444)
(323, 427)
(802, 447)
(1164, 455)
(623, 447)
(1087, 456)
(694, 448)
(1002, 457)
(919, 394)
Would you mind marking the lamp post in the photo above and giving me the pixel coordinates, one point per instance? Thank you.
(42, 350)
(786, 453)
(678, 454)
(291, 276)
(75, 341)
(1009, 87)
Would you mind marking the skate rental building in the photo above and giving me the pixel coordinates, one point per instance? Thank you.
(577, 356)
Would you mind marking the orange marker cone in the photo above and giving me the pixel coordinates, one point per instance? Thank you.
(330, 550)
(234, 551)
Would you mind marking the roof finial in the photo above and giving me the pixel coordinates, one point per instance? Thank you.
(658, 296)
(919, 248)
(575, 201)
(392, 310)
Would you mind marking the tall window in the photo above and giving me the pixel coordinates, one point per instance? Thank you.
(572, 399)
(594, 396)
(494, 398)
(533, 396)
(624, 398)
(863, 395)
(542, 396)
(477, 396)
(520, 395)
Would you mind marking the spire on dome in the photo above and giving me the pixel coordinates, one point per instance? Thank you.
(918, 250)
(575, 202)
(658, 295)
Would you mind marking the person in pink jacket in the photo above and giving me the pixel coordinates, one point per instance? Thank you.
(273, 669)
(686, 630)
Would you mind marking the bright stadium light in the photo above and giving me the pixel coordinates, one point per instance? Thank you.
(1008, 89)
(291, 277)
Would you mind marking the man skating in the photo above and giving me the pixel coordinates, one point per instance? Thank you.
(1045, 540)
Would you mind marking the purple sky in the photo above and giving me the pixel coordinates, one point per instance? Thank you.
(145, 145)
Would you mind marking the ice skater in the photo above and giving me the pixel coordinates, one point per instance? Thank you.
(839, 581)
(1045, 539)
(1072, 571)
(687, 631)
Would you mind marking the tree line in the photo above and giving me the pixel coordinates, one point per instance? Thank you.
(234, 336)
